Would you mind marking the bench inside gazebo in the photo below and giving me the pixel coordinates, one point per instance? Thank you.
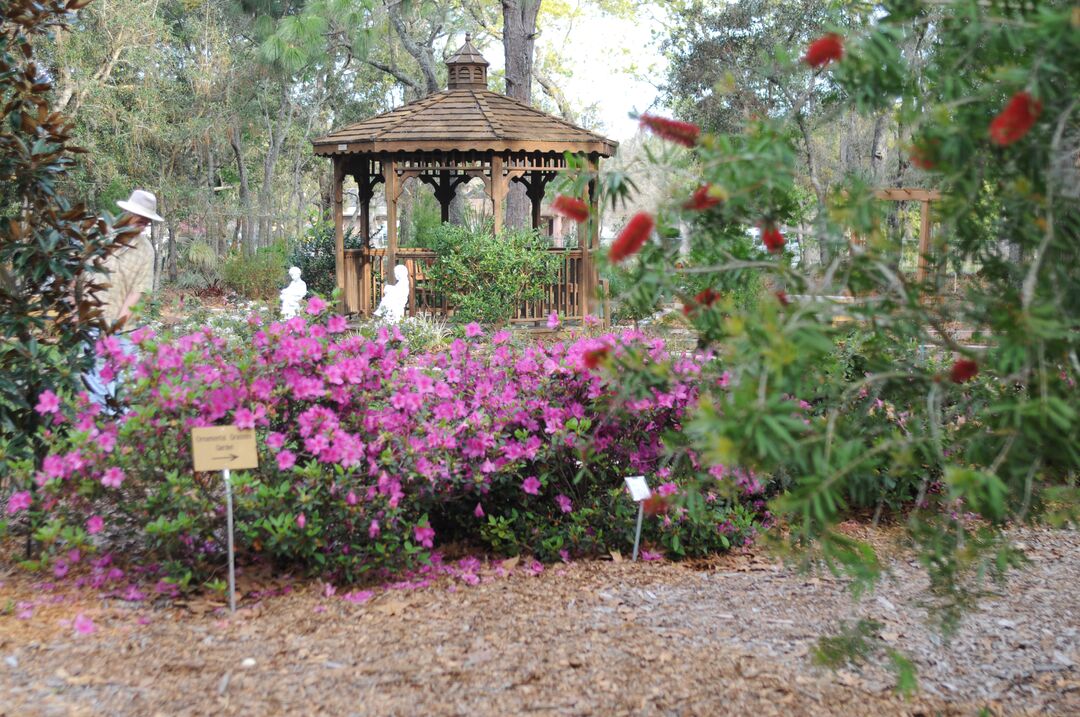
(445, 140)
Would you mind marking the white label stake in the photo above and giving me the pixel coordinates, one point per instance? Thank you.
(232, 561)
(639, 491)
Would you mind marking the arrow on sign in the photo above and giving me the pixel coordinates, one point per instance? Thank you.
(225, 458)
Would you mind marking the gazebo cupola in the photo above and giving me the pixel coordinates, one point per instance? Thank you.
(444, 140)
(467, 68)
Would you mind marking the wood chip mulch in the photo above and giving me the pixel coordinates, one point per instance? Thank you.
(729, 636)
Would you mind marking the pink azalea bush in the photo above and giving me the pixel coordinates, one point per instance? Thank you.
(370, 456)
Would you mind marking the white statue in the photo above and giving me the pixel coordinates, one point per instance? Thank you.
(293, 294)
(395, 297)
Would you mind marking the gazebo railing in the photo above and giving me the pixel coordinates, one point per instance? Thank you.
(364, 282)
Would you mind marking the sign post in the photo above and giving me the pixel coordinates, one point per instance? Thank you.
(224, 448)
(639, 492)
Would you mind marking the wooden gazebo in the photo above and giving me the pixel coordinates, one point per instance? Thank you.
(445, 140)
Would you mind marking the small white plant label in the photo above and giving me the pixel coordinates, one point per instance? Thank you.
(639, 489)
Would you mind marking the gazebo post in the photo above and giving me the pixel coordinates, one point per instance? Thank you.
(390, 183)
(534, 190)
(365, 190)
(445, 195)
(498, 191)
(589, 243)
(339, 230)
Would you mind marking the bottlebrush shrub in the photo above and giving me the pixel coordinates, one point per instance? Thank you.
(369, 455)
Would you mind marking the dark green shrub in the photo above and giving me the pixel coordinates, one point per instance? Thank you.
(259, 276)
(426, 220)
(485, 276)
(313, 252)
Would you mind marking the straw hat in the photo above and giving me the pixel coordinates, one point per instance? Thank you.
(142, 203)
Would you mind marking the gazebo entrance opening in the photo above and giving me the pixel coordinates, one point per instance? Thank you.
(445, 140)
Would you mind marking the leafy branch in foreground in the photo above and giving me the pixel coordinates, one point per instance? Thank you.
(858, 385)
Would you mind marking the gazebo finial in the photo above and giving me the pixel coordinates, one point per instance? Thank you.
(467, 68)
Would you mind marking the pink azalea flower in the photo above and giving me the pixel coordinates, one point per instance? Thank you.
(666, 489)
(301, 521)
(18, 502)
(60, 569)
(94, 524)
(113, 477)
(25, 610)
(358, 596)
(478, 511)
(553, 320)
(48, 402)
(315, 306)
(473, 330)
(54, 466)
(286, 460)
(650, 555)
(565, 504)
(336, 324)
(531, 485)
(83, 625)
(244, 418)
(275, 440)
(351, 499)
(424, 534)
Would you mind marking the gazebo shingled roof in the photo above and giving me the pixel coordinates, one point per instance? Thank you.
(471, 120)
(466, 116)
(444, 140)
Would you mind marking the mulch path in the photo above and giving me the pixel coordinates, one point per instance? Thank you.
(732, 635)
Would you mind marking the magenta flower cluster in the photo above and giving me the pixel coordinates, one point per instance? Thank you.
(367, 452)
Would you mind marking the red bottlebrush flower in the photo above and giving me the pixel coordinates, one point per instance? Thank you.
(781, 296)
(594, 357)
(701, 200)
(704, 298)
(654, 505)
(772, 238)
(1015, 120)
(684, 133)
(633, 237)
(571, 207)
(963, 371)
(921, 158)
(824, 50)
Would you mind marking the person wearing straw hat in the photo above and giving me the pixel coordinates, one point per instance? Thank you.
(129, 275)
(131, 270)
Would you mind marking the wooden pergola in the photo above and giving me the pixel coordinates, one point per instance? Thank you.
(445, 140)
(925, 196)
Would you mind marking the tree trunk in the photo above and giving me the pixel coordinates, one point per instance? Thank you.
(172, 252)
(247, 221)
(519, 40)
(877, 149)
(423, 54)
(276, 131)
